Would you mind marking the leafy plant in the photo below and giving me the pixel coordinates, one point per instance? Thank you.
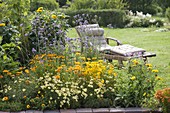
(167, 13)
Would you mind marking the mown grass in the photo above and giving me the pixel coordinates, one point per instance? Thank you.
(147, 38)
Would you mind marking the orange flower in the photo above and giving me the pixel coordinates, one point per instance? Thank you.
(5, 71)
(1, 76)
(5, 99)
(18, 73)
(25, 97)
(57, 76)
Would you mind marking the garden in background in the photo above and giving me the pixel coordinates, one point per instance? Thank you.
(41, 67)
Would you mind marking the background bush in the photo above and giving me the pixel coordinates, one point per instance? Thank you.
(168, 13)
(108, 16)
(47, 4)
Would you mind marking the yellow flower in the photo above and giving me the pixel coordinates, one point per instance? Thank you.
(27, 71)
(155, 71)
(18, 73)
(148, 65)
(28, 106)
(2, 24)
(53, 16)
(25, 97)
(83, 58)
(57, 76)
(135, 62)
(88, 59)
(94, 58)
(42, 105)
(115, 74)
(158, 78)
(5, 99)
(5, 71)
(144, 94)
(133, 78)
(149, 68)
(77, 63)
(40, 9)
(78, 54)
(102, 81)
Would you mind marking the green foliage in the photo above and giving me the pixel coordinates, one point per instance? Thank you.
(110, 4)
(83, 4)
(167, 13)
(46, 4)
(140, 80)
(164, 4)
(11, 107)
(62, 2)
(146, 6)
(16, 10)
(105, 17)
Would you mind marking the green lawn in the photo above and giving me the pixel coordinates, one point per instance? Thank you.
(147, 38)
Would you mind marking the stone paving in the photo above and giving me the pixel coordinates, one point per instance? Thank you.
(90, 110)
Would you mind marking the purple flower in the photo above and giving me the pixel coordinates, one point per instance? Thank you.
(33, 50)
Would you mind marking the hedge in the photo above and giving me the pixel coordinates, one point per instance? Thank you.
(114, 17)
(47, 4)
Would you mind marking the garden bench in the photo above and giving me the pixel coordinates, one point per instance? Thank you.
(94, 35)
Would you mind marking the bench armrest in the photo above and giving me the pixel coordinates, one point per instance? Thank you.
(114, 39)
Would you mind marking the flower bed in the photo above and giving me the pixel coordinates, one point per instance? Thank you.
(41, 71)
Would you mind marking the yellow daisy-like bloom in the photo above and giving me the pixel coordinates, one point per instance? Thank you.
(57, 76)
(144, 94)
(42, 105)
(40, 9)
(27, 71)
(102, 81)
(28, 106)
(155, 71)
(158, 78)
(53, 16)
(78, 54)
(148, 65)
(77, 63)
(2, 24)
(133, 78)
(135, 62)
(25, 97)
(5, 99)
(5, 71)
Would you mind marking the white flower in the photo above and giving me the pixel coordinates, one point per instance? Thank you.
(85, 89)
(23, 90)
(148, 15)
(13, 96)
(51, 98)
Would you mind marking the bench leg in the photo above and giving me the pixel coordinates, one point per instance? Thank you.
(120, 63)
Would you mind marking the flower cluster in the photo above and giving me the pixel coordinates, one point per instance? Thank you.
(164, 98)
(139, 19)
(48, 31)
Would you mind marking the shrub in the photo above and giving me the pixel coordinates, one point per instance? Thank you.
(140, 79)
(82, 4)
(167, 13)
(139, 19)
(47, 4)
(105, 17)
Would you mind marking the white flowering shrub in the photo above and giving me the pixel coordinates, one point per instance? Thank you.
(139, 19)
